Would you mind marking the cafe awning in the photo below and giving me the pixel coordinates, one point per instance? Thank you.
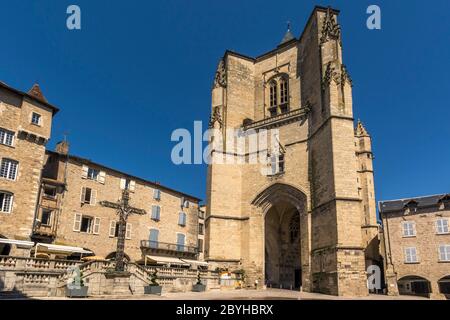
(19, 243)
(59, 249)
(195, 262)
(165, 260)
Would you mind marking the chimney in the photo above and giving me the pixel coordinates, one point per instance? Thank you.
(62, 147)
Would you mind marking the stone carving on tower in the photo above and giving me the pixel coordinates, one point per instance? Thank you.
(216, 117)
(220, 79)
(330, 29)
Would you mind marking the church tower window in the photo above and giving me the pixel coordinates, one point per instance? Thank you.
(273, 98)
(284, 95)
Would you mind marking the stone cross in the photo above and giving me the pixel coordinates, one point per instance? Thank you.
(123, 209)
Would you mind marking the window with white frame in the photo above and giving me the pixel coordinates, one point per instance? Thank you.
(444, 252)
(86, 224)
(36, 118)
(6, 201)
(276, 163)
(442, 226)
(6, 137)
(409, 229)
(93, 174)
(411, 255)
(8, 169)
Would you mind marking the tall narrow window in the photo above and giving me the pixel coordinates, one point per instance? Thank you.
(153, 238)
(180, 242)
(284, 96)
(273, 98)
(182, 219)
(8, 169)
(156, 213)
(6, 201)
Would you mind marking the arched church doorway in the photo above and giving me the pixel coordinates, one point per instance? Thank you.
(282, 247)
(285, 225)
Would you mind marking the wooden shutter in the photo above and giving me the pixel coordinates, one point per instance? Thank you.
(180, 239)
(96, 229)
(154, 234)
(122, 183)
(77, 222)
(132, 185)
(101, 177)
(128, 231)
(153, 212)
(93, 197)
(181, 218)
(158, 213)
(83, 194)
(112, 229)
(156, 194)
(84, 172)
(182, 201)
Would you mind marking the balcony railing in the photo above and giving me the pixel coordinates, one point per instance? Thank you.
(279, 119)
(173, 247)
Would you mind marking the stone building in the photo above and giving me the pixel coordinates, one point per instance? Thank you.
(25, 128)
(50, 200)
(310, 220)
(417, 245)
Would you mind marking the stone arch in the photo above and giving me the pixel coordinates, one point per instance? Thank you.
(444, 285)
(285, 246)
(280, 191)
(414, 285)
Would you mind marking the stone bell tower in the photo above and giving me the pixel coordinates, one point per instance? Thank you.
(303, 225)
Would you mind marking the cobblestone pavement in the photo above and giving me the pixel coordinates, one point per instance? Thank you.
(269, 294)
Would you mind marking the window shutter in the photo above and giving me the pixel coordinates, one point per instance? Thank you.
(83, 194)
(158, 212)
(132, 185)
(93, 197)
(101, 177)
(128, 231)
(156, 194)
(77, 222)
(182, 201)
(180, 218)
(154, 233)
(96, 225)
(112, 229)
(153, 212)
(122, 183)
(84, 172)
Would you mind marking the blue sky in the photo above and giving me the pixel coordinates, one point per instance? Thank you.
(140, 69)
